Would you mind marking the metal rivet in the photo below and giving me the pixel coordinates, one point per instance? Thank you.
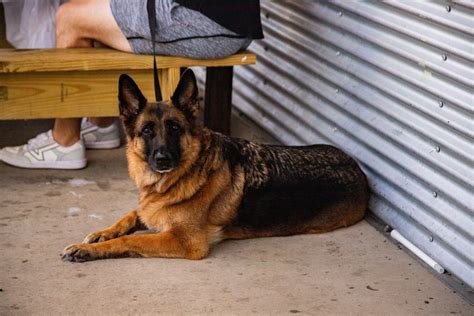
(267, 15)
(265, 48)
(338, 53)
(440, 103)
(431, 238)
(448, 8)
(340, 13)
(445, 57)
(435, 194)
(337, 90)
(438, 149)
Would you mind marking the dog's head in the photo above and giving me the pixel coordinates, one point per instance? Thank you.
(161, 133)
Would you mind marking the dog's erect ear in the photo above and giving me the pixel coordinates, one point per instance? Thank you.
(185, 96)
(131, 99)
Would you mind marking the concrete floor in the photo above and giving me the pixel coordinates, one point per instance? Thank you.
(353, 271)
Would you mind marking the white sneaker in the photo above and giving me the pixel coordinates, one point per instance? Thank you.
(43, 152)
(96, 137)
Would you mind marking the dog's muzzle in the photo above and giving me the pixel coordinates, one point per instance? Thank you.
(161, 161)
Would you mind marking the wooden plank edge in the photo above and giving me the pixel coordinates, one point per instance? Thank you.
(141, 62)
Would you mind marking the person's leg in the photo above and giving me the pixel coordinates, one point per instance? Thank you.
(67, 131)
(78, 24)
(102, 121)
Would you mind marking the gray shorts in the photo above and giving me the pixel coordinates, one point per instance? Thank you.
(180, 31)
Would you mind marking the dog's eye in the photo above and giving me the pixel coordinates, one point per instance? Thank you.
(147, 131)
(173, 126)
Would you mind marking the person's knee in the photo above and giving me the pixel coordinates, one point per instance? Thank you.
(70, 28)
(64, 27)
(78, 22)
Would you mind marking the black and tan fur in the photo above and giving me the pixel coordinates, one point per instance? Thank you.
(198, 187)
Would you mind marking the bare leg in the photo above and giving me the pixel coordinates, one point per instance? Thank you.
(67, 131)
(78, 24)
(102, 121)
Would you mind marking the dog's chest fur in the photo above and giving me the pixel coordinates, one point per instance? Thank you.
(204, 200)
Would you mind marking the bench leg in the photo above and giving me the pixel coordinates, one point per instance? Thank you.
(218, 99)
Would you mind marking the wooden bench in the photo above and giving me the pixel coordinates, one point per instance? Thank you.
(60, 83)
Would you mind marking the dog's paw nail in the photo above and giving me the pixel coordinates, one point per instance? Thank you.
(97, 237)
(91, 238)
(75, 253)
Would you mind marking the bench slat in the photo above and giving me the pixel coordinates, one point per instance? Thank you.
(91, 59)
(66, 94)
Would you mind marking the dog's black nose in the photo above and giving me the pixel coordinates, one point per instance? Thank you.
(161, 156)
(161, 160)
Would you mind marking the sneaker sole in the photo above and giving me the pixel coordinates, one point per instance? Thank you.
(108, 144)
(76, 164)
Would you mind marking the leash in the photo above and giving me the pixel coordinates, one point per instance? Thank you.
(150, 7)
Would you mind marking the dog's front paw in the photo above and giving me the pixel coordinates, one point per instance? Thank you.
(100, 236)
(77, 253)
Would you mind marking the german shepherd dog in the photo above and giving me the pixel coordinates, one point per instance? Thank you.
(198, 187)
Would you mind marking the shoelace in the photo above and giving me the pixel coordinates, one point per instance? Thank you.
(39, 140)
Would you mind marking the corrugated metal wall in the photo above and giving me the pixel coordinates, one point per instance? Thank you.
(392, 84)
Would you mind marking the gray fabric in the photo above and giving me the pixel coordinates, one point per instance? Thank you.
(176, 27)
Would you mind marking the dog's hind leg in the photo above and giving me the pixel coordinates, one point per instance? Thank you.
(126, 225)
(170, 244)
